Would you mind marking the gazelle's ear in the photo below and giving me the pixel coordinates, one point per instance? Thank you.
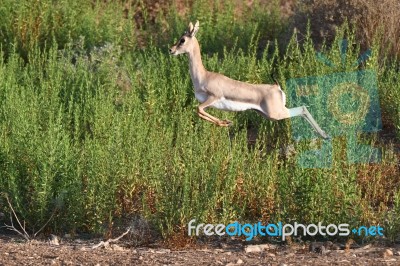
(195, 29)
(190, 28)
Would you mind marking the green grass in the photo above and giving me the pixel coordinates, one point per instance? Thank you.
(94, 127)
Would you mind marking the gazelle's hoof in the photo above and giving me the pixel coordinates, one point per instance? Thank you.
(225, 123)
(324, 135)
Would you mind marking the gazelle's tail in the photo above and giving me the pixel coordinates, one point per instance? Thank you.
(277, 83)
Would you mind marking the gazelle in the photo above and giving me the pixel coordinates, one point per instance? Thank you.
(218, 91)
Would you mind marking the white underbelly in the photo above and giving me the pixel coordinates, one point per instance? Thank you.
(224, 104)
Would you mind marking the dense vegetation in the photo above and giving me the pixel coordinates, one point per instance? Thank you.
(98, 122)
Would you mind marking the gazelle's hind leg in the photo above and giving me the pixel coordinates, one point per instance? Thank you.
(302, 111)
(297, 111)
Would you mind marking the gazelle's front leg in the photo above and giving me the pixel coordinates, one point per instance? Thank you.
(207, 116)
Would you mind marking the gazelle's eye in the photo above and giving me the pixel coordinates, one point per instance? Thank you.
(182, 41)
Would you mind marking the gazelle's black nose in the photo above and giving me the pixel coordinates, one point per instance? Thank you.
(170, 50)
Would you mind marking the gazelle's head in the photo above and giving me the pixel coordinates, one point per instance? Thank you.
(186, 41)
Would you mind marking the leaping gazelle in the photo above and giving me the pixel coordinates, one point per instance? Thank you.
(218, 91)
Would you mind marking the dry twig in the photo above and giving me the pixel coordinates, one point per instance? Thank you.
(112, 240)
(11, 227)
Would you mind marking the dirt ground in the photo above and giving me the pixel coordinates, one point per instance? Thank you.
(16, 251)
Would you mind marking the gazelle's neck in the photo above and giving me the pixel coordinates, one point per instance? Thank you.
(196, 68)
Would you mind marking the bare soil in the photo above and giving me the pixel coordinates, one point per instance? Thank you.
(16, 251)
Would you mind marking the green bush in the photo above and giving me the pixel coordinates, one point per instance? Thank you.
(93, 130)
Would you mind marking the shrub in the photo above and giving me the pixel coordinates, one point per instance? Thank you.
(372, 19)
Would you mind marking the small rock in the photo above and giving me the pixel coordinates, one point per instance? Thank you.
(329, 245)
(315, 246)
(252, 249)
(271, 254)
(163, 251)
(256, 248)
(54, 240)
(387, 253)
(367, 246)
(397, 253)
(282, 264)
(348, 245)
(239, 261)
(322, 250)
(117, 247)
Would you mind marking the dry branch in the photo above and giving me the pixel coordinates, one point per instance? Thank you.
(112, 240)
(11, 227)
